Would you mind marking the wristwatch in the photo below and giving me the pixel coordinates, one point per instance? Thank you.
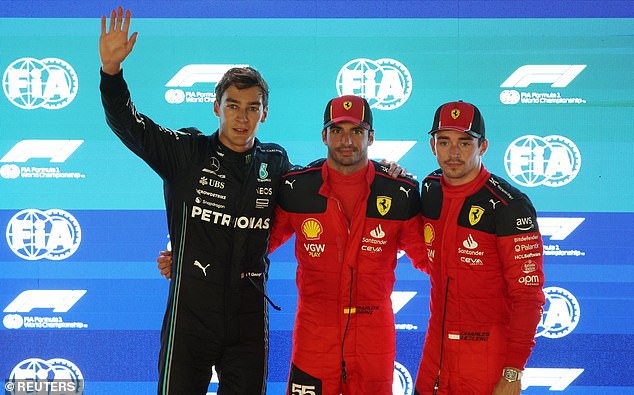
(511, 374)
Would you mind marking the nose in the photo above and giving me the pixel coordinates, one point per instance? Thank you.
(241, 115)
(346, 138)
(454, 151)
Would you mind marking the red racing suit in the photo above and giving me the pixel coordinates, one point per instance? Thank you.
(345, 276)
(485, 260)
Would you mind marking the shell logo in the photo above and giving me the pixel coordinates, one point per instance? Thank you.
(429, 233)
(311, 228)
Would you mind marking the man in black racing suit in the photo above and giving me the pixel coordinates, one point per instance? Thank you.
(220, 194)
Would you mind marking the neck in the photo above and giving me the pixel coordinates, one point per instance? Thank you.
(347, 169)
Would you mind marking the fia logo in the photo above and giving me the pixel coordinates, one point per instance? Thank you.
(552, 161)
(385, 83)
(35, 234)
(31, 83)
(561, 313)
(40, 373)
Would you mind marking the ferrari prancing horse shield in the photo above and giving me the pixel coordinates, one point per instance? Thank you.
(383, 204)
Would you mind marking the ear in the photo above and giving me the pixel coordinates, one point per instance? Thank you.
(265, 112)
(483, 147)
(324, 136)
(370, 137)
(432, 145)
(216, 108)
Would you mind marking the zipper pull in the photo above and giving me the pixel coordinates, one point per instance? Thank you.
(344, 376)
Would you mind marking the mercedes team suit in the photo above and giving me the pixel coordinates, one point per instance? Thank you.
(345, 276)
(485, 254)
(220, 205)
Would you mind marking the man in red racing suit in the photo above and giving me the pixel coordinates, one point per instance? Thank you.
(349, 218)
(485, 262)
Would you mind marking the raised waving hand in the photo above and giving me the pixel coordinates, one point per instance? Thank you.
(114, 44)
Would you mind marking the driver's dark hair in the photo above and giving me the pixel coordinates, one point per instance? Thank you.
(242, 78)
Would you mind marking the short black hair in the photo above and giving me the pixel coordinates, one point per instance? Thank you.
(242, 78)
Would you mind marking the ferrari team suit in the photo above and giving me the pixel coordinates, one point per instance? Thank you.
(220, 205)
(344, 335)
(485, 264)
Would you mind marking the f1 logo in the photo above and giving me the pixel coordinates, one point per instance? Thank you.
(55, 150)
(559, 76)
(59, 300)
(195, 73)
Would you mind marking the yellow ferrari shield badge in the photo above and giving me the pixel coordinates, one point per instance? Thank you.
(475, 214)
(383, 204)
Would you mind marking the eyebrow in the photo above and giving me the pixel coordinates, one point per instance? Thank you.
(464, 138)
(257, 102)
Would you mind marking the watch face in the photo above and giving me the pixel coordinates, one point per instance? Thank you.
(511, 375)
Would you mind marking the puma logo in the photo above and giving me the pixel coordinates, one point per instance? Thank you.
(287, 182)
(427, 185)
(405, 190)
(204, 269)
(494, 202)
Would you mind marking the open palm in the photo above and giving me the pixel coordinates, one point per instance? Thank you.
(114, 44)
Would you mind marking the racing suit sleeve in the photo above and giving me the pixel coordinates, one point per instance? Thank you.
(412, 241)
(164, 150)
(282, 229)
(520, 248)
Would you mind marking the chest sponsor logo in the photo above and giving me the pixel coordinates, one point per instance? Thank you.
(383, 204)
(222, 219)
(529, 280)
(263, 173)
(475, 214)
(529, 266)
(377, 232)
(524, 224)
(314, 250)
(214, 168)
(212, 183)
(312, 229)
(470, 243)
(429, 233)
(261, 203)
(264, 191)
